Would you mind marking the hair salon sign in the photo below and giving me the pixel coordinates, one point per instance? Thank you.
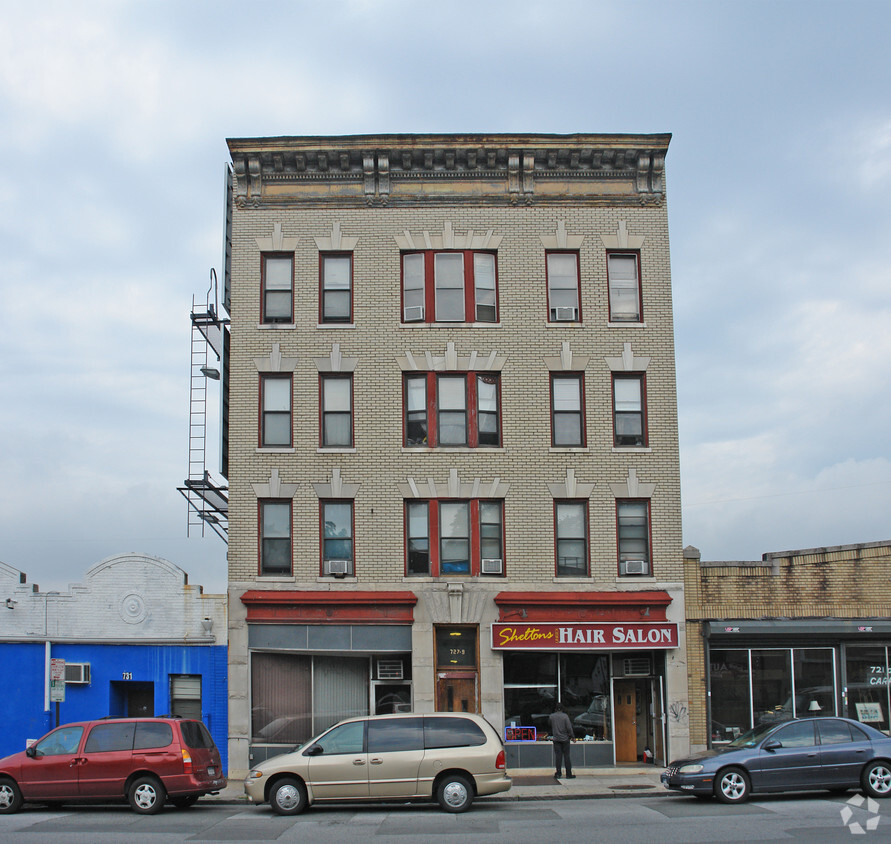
(570, 637)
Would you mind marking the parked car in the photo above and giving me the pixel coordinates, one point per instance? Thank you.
(145, 761)
(449, 757)
(804, 754)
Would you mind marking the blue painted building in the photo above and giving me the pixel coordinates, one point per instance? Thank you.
(136, 639)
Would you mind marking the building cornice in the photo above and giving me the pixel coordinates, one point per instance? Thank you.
(492, 169)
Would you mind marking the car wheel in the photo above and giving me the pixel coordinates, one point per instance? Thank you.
(10, 797)
(876, 779)
(454, 793)
(184, 802)
(288, 797)
(732, 786)
(146, 796)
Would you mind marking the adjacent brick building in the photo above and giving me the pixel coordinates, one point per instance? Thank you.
(796, 633)
(451, 439)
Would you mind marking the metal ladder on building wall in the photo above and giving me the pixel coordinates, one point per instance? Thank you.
(208, 501)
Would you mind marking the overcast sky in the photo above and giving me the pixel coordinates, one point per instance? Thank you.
(114, 118)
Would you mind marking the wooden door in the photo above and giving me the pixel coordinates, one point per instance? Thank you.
(456, 692)
(625, 696)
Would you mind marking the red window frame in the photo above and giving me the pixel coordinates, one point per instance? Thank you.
(583, 434)
(649, 543)
(430, 285)
(261, 503)
(552, 317)
(471, 407)
(332, 321)
(583, 504)
(261, 433)
(609, 298)
(263, 258)
(323, 503)
(642, 380)
(434, 536)
(334, 376)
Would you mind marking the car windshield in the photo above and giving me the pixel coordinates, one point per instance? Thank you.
(750, 738)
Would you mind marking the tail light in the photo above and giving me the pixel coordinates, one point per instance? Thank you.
(500, 761)
(187, 762)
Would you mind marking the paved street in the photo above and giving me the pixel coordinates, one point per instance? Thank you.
(665, 819)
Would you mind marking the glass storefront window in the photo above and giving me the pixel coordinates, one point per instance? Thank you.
(750, 687)
(584, 691)
(867, 685)
(534, 682)
(771, 686)
(814, 681)
(731, 707)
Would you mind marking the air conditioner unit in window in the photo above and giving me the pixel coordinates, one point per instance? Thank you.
(634, 567)
(632, 667)
(491, 565)
(389, 669)
(485, 313)
(77, 673)
(564, 314)
(338, 568)
(413, 313)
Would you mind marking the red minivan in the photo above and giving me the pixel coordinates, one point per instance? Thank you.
(145, 761)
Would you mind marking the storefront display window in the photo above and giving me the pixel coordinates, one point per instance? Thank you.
(867, 685)
(771, 686)
(296, 696)
(533, 683)
(749, 687)
(731, 704)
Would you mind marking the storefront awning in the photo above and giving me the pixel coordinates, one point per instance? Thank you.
(582, 606)
(307, 607)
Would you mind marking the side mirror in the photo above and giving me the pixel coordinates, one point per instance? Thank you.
(30, 752)
(772, 744)
(313, 750)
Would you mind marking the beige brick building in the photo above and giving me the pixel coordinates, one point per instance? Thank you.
(452, 439)
(795, 633)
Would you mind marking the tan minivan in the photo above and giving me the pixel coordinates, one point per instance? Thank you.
(450, 757)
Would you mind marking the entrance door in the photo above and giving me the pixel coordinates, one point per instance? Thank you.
(456, 691)
(132, 699)
(626, 709)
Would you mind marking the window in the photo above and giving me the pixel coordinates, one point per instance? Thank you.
(275, 421)
(277, 283)
(396, 734)
(152, 734)
(458, 286)
(337, 537)
(534, 681)
(347, 738)
(106, 738)
(454, 537)
(275, 537)
(629, 418)
(563, 287)
(336, 299)
(185, 696)
(337, 414)
(442, 731)
(624, 287)
(59, 742)
(571, 518)
(567, 415)
(455, 409)
(633, 518)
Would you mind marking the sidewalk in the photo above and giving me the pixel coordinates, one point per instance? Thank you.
(539, 784)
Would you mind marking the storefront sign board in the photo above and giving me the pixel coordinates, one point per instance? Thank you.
(569, 636)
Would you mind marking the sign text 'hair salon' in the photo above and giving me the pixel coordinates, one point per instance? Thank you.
(528, 637)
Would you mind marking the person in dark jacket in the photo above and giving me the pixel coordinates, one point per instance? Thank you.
(561, 736)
